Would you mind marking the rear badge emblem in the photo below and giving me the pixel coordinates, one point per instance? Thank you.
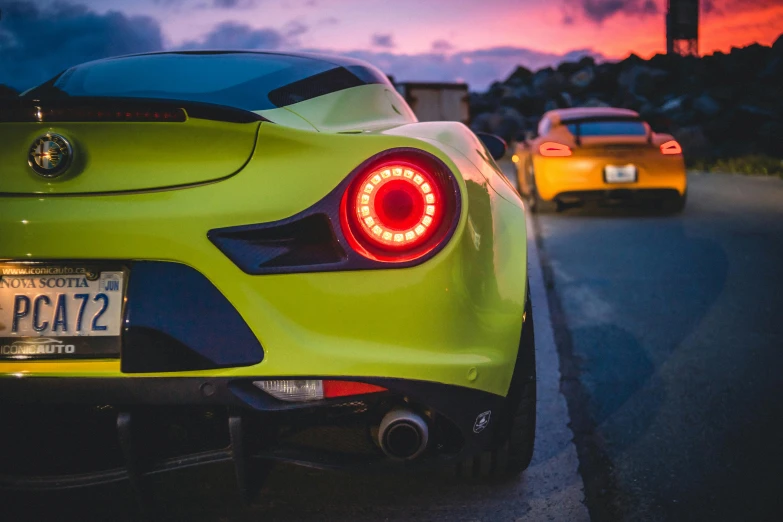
(482, 421)
(50, 155)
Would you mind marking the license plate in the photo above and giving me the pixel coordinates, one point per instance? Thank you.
(60, 311)
(620, 173)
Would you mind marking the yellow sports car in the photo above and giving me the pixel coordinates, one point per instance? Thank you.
(599, 153)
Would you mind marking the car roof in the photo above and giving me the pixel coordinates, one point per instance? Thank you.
(577, 113)
(342, 61)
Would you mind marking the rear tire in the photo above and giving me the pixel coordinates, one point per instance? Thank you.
(675, 203)
(514, 450)
(542, 206)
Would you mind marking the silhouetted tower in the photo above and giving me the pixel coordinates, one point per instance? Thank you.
(682, 27)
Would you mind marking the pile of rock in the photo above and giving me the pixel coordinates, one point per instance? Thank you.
(717, 106)
(6, 91)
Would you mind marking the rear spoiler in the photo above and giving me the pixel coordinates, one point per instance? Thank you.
(578, 122)
(111, 109)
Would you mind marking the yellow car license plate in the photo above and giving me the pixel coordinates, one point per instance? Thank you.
(620, 173)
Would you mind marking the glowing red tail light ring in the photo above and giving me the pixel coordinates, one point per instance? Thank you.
(400, 206)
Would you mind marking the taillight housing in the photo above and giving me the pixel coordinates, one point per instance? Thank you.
(671, 147)
(303, 390)
(552, 149)
(400, 207)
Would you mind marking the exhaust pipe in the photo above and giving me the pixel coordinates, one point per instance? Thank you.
(403, 434)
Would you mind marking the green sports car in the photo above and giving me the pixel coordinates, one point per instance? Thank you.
(254, 257)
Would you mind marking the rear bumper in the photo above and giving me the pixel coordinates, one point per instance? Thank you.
(618, 194)
(231, 419)
(582, 174)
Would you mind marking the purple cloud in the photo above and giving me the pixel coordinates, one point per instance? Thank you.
(477, 68)
(383, 40)
(442, 46)
(233, 4)
(599, 10)
(27, 35)
(74, 33)
(233, 35)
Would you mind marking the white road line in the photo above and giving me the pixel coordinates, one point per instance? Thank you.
(555, 488)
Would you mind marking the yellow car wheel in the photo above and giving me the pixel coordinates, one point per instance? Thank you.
(675, 203)
(539, 205)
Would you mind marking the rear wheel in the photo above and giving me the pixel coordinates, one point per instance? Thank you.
(514, 449)
(538, 205)
(675, 203)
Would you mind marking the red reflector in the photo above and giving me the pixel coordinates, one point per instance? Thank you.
(552, 149)
(346, 388)
(671, 147)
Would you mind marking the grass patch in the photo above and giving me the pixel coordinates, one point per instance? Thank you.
(753, 165)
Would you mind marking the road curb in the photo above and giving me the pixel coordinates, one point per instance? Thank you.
(560, 495)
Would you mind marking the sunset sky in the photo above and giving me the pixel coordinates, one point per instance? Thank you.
(472, 40)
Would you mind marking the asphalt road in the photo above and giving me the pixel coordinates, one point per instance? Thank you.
(670, 333)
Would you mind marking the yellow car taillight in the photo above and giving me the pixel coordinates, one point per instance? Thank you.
(552, 149)
(671, 147)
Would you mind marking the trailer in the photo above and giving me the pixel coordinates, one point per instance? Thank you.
(437, 101)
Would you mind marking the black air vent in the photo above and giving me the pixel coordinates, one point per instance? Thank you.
(309, 241)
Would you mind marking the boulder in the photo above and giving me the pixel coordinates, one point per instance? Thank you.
(673, 105)
(548, 82)
(773, 71)
(752, 116)
(594, 102)
(7, 91)
(521, 75)
(706, 105)
(499, 90)
(742, 64)
(568, 68)
(531, 105)
(485, 122)
(631, 61)
(523, 91)
(695, 144)
(582, 79)
(722, 93)
(777, 46)
(550, 105)
(666, 62)
(642, 80)
(510, 123)
(770, 137)
(505, 122)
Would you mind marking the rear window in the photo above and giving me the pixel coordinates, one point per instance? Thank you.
(607, 128)
(249, 81)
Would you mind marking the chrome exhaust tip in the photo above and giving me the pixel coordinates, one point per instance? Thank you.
(403, 434)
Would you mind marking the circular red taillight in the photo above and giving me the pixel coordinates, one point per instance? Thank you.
(398, 210)
(397, 206)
